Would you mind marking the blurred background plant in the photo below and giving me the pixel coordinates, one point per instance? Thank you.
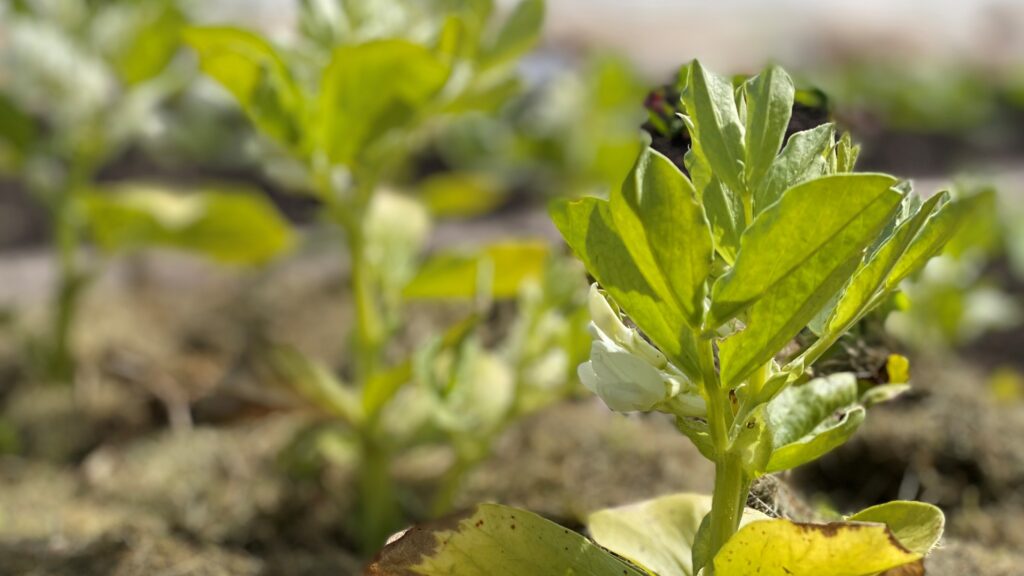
(79, 83)
(342, 128)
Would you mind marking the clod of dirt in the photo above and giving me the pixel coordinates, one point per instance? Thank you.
(209, 483)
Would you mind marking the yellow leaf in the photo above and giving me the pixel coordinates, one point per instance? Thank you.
(796, 549)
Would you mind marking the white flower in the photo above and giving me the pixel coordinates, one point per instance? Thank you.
(625, 382)
(628, 373)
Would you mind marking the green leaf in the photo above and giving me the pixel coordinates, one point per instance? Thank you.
(802, 159)
(799, 549)
(663, 225)
(518, 35)
(846, 154)
(795, 257)
(372, 89)
(457, 275)
(724, 209)
(769, 105)
(711, 105)
(496, 540)
(808, 421)
(939, 229)
(587, 226)
(17, 132)
(918, 526)
(657, 534)
(384, 384)
(153, 43)
(255, 74)
(234, 227)
(316, 383)
(865, 287)
(461, 194)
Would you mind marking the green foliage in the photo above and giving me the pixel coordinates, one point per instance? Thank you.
(370, 90)
(505, 267)
(350, 107)
(91, 81)
(255, 74)
(802, 247)
(233, 227)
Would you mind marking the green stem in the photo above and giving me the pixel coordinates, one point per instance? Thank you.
(378, 513)
(728, 501)
(731, 482)
(444, 498)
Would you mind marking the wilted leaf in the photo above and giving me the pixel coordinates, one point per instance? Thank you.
(797, 549)
(252, 70)
(458, 275)
(234, 227)
(657, 534)
(496, 541)
(917, 525)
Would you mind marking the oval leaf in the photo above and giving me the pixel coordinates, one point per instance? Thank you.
(797, 549)
(664, 228)
(808, 421)
(370, 89)
(769, 105)
(586, 224)
(917, 525)
(457, 275)
(657, 534)
(255, 74)
(496, 540)
(233, 227)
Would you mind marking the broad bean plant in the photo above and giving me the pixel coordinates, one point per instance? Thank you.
(345, 109)
(80, 84)
(705, 280)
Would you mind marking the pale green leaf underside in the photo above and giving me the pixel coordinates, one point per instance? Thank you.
(656, 534)
(917, 525)
(802, 159)
(497, 540)
(810, 420)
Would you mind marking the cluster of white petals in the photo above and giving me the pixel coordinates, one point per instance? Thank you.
(628, 373)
